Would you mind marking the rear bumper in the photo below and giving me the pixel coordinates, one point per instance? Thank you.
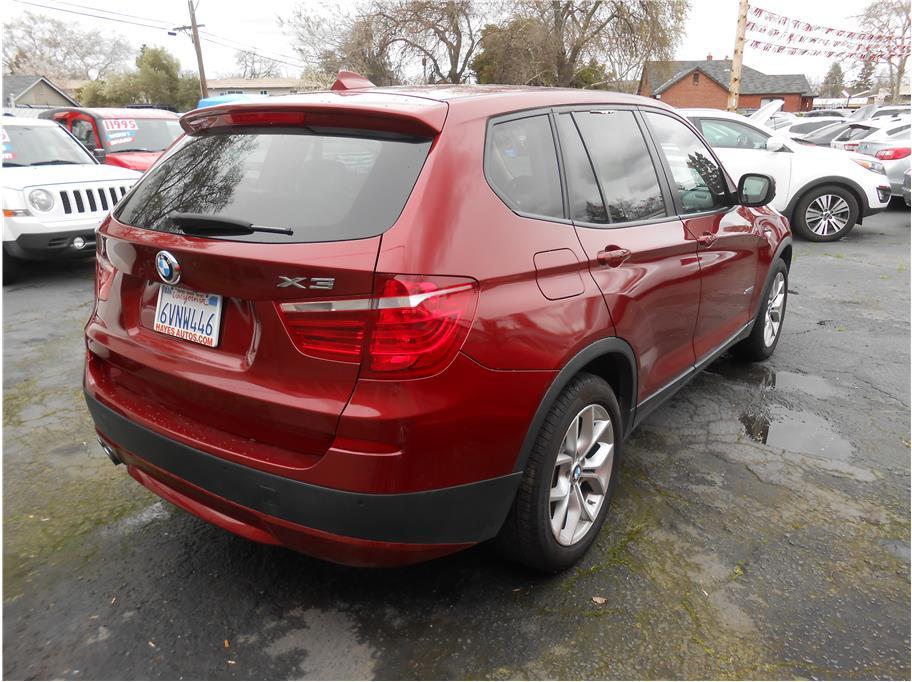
(342, 526)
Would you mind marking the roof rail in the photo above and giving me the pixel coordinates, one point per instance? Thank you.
(349, 80)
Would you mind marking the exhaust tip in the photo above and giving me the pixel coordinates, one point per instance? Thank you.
(109, 451)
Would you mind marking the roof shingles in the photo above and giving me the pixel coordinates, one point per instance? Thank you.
(662, 75)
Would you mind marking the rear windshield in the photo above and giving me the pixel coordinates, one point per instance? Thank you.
(325, 186)
(139, 134)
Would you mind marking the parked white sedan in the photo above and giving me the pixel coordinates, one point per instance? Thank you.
(54, 193)
(824, 192)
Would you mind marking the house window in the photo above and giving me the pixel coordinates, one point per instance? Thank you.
(264, 92)
(696, 78)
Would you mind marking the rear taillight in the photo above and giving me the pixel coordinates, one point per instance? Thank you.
(851, 146)
(412, 328)
(893, 153)
(104, 270)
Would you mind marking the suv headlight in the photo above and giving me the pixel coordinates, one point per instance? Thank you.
(873, 166)
(41, 199)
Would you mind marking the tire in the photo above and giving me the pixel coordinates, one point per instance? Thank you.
(12, 268)
(826, 214)
(761, 343)
(527, 535)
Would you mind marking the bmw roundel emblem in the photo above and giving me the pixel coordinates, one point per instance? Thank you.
(168, 267)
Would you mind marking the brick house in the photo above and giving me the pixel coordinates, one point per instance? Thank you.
(704, 83)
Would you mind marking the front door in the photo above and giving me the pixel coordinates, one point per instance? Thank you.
(728, 241)
(83, 128)
(742, 148)
(640, 255)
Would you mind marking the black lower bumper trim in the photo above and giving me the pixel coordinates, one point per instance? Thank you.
(462, 514)
(51, 245)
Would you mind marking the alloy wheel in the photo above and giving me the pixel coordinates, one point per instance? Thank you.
(582, 473)
(775, 306)
(827, 214)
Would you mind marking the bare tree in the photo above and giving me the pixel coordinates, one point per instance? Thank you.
(621, 35)
(442, 35)
(38, 44)
(252, 65)
(890, 18)
(333, 39)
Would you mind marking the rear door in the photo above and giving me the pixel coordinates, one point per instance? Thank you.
(641, 256)
(727, 237)
(266, 363)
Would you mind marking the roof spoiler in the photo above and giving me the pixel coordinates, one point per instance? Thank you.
(349, 80)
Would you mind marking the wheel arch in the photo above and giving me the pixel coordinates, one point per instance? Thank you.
(613, 360)
(839, 181)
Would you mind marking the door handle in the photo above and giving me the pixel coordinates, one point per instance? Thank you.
(706, 239)
(613, 256)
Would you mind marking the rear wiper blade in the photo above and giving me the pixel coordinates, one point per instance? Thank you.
(202, 224)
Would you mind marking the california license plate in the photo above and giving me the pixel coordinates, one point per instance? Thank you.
(189, 315)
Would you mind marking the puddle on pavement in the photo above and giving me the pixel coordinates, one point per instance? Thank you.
(763, 376)
(796, 431)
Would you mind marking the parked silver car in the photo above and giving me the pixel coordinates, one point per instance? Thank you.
(892, 148)
(906, 187)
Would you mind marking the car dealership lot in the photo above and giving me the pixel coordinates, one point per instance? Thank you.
(762, 528)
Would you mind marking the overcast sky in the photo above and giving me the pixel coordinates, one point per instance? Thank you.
(710, 28)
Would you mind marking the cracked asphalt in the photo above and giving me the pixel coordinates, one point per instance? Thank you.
(761, 529)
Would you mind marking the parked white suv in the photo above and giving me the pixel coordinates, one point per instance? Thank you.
(824, 192)
(54, 193)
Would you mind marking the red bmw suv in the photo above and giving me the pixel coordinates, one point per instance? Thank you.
(379, 325)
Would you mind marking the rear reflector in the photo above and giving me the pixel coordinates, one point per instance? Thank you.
(413, 328)
(893, 153)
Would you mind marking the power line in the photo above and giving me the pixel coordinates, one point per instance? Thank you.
(233, 44)
(209, 37)
(110, 11)
(254, 52)
(87, 14)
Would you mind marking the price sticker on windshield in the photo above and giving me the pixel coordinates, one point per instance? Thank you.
(115, 124)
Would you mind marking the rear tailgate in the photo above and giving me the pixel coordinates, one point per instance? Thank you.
(254, 388)
(255, 397)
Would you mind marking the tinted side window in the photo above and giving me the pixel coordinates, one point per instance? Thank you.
(586, 203)
(85, 133)
(732, 134)
(698, 179)
(625, 170)
(809, 127)
(521, 166)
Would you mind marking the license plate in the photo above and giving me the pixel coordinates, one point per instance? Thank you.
(188, 315)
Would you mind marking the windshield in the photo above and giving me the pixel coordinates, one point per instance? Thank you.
(139, 134)
(36, 145)
(324, 186)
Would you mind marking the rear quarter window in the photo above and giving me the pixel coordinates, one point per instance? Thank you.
(521, 166)
(325, 186)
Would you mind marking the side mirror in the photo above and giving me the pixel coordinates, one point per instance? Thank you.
(755, 189)
(100, 154)
(775, 144)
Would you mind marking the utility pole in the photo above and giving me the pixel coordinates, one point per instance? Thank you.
(204, 89)
(734, 85)
(192, 29)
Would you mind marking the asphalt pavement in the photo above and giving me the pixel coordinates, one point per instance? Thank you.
(761, 528)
